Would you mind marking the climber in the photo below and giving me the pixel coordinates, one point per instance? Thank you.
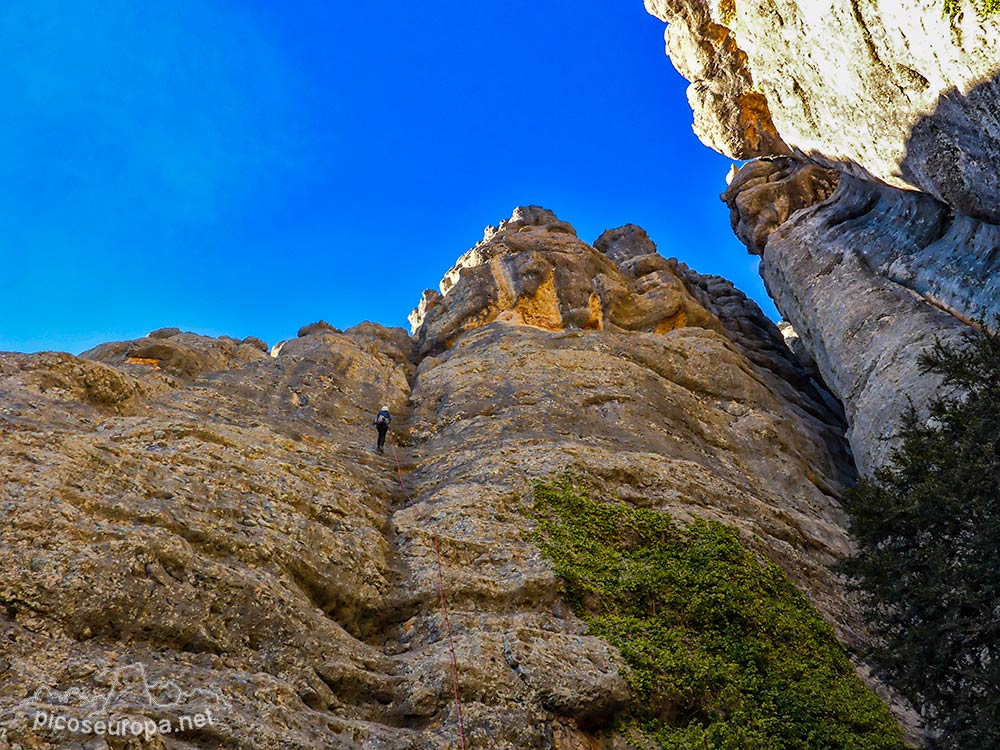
(381, 423)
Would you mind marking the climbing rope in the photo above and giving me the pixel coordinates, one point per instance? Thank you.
(387, 389)
(443, 600)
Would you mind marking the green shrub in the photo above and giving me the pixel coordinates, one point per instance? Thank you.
(928, 529)
(724, 652)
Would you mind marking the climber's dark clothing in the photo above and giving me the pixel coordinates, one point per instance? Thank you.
(381, 423)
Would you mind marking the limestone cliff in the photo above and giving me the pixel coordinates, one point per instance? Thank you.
(215, 517)
(869, 276)
(904, 93)
(874, 207)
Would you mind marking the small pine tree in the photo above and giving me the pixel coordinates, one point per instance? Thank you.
(928, 530)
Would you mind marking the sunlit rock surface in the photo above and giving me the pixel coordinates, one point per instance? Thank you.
(903, 92)
(210, 515)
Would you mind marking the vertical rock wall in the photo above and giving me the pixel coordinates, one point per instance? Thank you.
(211, 516)
(902, 92)
(869, 276)
(874, 207)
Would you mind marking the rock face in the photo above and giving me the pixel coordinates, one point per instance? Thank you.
(869, 276)
(907, 94)
(533, 269)
(875, 207)
(215, 519)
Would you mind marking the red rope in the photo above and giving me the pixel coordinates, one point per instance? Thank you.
(444, 605)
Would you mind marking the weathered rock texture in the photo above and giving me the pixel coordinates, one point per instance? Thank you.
(901, 92)
(533, 269)
(869, 276)
(870, 99)
(217, 516)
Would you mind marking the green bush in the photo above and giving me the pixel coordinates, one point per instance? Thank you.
(724, 652)
(928, 529)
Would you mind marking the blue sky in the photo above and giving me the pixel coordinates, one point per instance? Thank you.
(245, 168)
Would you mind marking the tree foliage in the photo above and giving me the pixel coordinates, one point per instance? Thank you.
(928, 529)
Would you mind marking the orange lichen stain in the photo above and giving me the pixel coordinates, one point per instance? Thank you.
(154, 363)
(679, 320)
(755, 117)
(596, 320)
(542, 310)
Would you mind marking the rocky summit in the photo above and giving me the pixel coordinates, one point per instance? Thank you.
(208, 517)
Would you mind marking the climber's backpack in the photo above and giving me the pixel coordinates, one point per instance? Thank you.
(382, 418)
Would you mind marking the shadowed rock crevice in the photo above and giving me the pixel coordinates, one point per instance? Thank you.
(952, 152)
